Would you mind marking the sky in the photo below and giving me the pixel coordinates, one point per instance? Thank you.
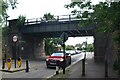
(79, 40)
(37, 8)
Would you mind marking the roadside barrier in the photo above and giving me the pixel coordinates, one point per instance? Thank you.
(27, 66)
(9, 63)
(19, 62)
(83, 65)
(3, 63)
(57, 67)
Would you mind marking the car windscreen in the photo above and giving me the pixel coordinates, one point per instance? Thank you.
(57, 54)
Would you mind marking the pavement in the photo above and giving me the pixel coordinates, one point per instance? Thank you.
(93, 71)
(32, 64)
(13, 69)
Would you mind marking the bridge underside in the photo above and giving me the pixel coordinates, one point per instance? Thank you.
(55, 29)
(73, 33)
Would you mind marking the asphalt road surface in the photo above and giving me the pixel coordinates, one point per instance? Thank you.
(38, 69)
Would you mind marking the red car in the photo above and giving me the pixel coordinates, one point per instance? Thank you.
(51, 61)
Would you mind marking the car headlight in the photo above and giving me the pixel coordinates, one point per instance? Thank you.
(47, 59)
(61, 60)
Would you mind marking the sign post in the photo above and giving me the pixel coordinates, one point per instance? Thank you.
(15, 39)
(64, 36)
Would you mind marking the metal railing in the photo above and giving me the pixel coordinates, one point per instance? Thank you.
(60, 18)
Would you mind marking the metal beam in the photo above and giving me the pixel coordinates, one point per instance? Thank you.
(86, 32)
(72, 33)
(79, 32)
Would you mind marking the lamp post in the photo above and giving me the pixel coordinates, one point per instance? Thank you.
(83, 60)
(15, 39)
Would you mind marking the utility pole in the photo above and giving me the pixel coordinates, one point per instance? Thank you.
(15, 39)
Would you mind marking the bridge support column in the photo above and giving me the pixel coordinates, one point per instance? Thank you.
(39, 51)
(99, 47)
(104, 48)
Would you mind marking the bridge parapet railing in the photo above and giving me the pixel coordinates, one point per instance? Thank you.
(55, 18)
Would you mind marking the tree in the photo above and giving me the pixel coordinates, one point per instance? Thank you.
(50, 43)
(3, 13)
(48, 16)
(3, 20)
(3, 9)
(90, 48)
(105, 16)
(21, 21)
(70, 47)
(100, 15)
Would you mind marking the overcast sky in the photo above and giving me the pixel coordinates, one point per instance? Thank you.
(37, 8)
(79, 40)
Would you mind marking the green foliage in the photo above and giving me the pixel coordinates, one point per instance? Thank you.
(21, 20)
(116, 38)
(3, 17)
(70, 47)
(3, 13)
(3, 10)
(5, 31)
(4, 7)
(105, 16)
(90, 48)
(48, 16)
(51, 45)
(116, 65)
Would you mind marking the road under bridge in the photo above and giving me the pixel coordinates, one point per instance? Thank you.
(34, 32)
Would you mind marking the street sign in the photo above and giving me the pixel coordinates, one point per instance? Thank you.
(15, 38)
(64, 36)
